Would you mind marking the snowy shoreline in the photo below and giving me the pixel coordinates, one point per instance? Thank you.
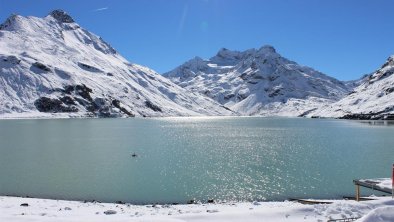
(38, 115)
(35, 209)
(46, 116)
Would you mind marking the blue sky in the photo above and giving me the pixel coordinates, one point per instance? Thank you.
(342, 38)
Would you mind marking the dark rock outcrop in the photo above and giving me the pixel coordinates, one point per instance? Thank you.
(67, 100)
(73, 96)
(61, 16)
(8, 22)
(81, 90)
(152, 106)
(88, 67)
(84, 91)
(48, 105)
(368, 116)
(116, 103)
(12, 60)
(41, 66)
(389, 90)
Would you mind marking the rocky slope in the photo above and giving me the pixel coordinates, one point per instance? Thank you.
(52, 67)
(259, 82)
(373, 99)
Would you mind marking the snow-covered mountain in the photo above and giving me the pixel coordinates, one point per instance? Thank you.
(373, 99)
(52, 65)
(259, 82)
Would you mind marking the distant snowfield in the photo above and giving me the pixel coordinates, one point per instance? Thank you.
(70, 211)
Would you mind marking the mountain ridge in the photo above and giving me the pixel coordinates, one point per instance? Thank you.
(51, 66)
(371, 99)
(258, 82)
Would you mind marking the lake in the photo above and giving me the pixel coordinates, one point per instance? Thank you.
(178, 159)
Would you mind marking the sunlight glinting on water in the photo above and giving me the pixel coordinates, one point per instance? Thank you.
(229, 159)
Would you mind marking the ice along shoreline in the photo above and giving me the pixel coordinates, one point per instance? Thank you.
(30, 209)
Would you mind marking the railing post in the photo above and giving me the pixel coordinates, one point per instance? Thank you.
(357, 192)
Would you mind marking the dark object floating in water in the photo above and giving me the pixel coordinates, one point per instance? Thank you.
(134, 155)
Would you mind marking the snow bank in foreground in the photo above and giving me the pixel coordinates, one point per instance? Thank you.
(13, 209)
(379, 214)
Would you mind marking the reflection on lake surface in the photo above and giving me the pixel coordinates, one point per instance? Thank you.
(178, 159)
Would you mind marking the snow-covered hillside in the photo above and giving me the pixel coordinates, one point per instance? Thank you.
(373, 99)
(259, 82)
(52, 65)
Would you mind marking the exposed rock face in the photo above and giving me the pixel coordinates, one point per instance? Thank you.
(74, 96)
(13, 60)
(8, 22)
(152, 106)
(61, 16)
(371, 116)
(116, 103)
(45, 104)
(41, 66)
(258, 82)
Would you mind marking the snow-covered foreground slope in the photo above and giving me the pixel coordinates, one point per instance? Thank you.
(259, 82)
(373, 99)
(52, 65)
(65, 211)
(380, 214)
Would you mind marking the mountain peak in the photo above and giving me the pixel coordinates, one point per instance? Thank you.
(224, 53)
(389, 62)
(49, 64)
(258, 81)
(267, 49)
(8, 23)
(61, 16)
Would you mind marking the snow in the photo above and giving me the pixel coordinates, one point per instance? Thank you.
(41, 57)
(380, 214)
(64, 211)
(259, 82)
(384, 183)
(374, 96)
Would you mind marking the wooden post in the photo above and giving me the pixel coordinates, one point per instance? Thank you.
(357, 192)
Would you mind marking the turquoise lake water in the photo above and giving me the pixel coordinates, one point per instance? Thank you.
(178, 159)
